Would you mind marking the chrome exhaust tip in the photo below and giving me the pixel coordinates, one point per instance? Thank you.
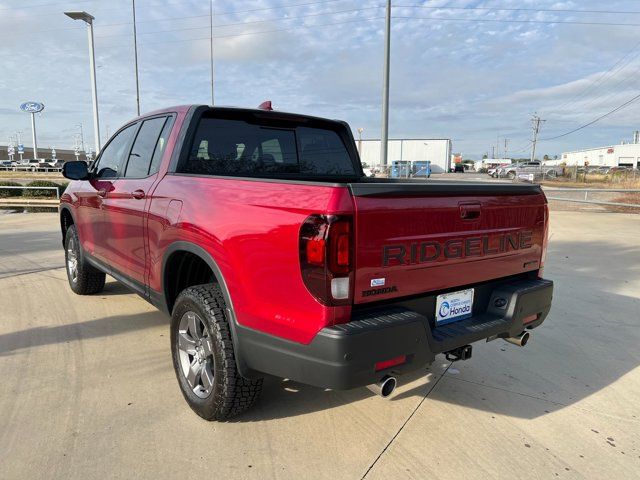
(384, 387)
(519, 340)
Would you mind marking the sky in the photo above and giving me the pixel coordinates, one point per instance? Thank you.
(470, 70)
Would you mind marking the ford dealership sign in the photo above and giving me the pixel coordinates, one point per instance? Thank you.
(32, 107)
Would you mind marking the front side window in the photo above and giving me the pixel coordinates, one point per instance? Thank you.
(240, 148)
(113, 155)
(144, 148)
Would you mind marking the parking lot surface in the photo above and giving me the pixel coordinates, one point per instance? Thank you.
(88, 389)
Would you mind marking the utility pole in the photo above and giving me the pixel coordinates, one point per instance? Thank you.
(493, 152)
(211, 44)
(135, 55)
(506, 141)
(535, 121)
(384, 138)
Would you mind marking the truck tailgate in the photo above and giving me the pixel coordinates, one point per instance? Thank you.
(413, 238)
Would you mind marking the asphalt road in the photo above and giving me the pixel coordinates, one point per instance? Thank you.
(88, 391)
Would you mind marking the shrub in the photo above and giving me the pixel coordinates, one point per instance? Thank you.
(6, 192)
(43, 192)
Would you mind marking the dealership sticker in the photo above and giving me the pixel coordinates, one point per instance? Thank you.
(377, 282)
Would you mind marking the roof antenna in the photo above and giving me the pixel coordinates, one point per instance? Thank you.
(266, 105)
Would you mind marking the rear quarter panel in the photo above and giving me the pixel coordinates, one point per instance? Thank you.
(251, 230)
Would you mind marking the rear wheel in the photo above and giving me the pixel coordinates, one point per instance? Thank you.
(204, 357)
(84, 279)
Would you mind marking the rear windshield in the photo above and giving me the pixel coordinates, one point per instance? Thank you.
(237, 147)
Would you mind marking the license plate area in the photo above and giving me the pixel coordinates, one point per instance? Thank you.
(454, 306)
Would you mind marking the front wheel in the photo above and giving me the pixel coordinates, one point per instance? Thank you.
(84, 279)
(204, 357)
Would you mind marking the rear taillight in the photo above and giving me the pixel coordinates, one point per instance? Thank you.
(326, 258)
(545, 241)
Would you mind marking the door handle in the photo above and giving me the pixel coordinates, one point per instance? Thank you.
(470, 211)
(139, 194)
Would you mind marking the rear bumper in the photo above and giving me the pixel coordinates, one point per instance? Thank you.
(344, 356)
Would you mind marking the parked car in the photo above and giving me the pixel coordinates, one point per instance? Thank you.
(619, 169)
(50, 164)
(259, 234)
(494, 171)
(31, 164)
(5, 163)
(458, 168)
(535, 167)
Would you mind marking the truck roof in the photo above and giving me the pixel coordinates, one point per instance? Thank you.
(185, 108)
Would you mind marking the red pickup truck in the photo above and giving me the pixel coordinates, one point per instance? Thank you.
(259, 234)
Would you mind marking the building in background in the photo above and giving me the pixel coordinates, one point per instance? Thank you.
(435, 150)
(622, 155)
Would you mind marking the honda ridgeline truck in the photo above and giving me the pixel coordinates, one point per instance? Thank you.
(258, 233)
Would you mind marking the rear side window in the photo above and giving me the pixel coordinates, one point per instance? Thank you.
(239, 148)
(147, 143)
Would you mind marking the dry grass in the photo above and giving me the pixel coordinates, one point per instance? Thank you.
(633, 198)
(31, 175)
(595, 181)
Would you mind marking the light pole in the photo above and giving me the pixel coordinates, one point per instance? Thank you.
(135, 53)
(33, 136)
(81, 135)
(385, 89)
(211, 45)
(88, 19)
(360, 130)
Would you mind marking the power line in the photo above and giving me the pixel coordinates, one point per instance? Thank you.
(619, 107)
(352, 10)
(270, 31)
(503, 9)
(473, 20)
(164, 3)
(608, 73)
(260, 32)
(42, 5)
(495, 20)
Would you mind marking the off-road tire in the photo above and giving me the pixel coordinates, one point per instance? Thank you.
(88, 279)
(231, 394)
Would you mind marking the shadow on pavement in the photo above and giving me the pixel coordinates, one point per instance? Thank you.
(102, 327)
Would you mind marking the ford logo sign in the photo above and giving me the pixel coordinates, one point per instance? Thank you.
(32, 107)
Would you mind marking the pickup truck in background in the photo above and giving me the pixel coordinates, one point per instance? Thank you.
(259, 234)
(535, 168)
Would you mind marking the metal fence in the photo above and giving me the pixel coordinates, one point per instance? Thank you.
(585, 192)
(31, 168)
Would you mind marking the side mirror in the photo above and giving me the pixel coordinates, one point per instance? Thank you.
(76, 170)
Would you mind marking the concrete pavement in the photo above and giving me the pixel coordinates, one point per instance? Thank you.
(88, 389)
